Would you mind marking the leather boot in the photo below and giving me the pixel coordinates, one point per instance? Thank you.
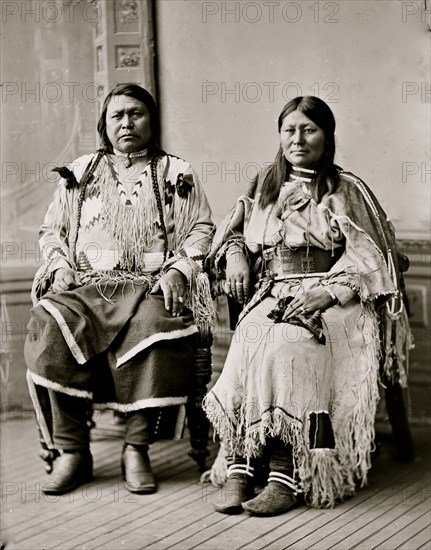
(237, 489)
(278, 497)
(136, 469)
(70, 470)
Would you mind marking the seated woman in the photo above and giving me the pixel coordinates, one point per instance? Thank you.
(119, 298)
(311, 254)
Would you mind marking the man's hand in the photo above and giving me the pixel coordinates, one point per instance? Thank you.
(173, 285)
(237, 277)
(65, 278)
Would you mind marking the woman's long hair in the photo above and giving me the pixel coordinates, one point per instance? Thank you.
(326, 175)
(139, 93)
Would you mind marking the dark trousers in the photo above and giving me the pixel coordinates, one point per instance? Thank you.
(71, 431)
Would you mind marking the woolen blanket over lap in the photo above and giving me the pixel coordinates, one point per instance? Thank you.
(76, 337)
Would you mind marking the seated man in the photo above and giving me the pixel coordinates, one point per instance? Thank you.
(119, 298)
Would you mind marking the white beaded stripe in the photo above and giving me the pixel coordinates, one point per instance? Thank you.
(243, 472)
(285, 480)
(245, 466)
(300, 174)
(240, 469)
(286, 484)
(299, 178)
(283, 476)
(307, 170)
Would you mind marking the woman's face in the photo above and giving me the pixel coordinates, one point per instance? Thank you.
(128, 124)
(302, 141)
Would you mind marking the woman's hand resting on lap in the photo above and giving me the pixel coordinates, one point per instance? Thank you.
(309, 302)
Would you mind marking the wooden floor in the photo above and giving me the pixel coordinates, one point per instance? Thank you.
(393, 512)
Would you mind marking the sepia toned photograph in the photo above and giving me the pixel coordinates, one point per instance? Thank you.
(215, 274)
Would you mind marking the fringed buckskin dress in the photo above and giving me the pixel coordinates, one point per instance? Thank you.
(313, 382)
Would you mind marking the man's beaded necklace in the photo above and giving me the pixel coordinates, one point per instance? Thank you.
(130, 156)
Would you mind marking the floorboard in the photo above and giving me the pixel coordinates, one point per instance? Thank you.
(392, 512)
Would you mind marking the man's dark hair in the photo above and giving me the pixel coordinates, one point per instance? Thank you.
(139, 93)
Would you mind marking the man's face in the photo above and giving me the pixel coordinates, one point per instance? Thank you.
(128, 124)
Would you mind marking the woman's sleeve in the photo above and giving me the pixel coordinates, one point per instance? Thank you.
(362, 268)
(342, 293)
(343, 288)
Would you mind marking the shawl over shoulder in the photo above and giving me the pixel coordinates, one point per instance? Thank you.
(375, 274)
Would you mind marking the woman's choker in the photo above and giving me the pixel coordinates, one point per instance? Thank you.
(129, 156)
(304, 175)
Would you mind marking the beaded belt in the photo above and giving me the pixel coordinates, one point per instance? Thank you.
(279, 261)
(108, 260)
